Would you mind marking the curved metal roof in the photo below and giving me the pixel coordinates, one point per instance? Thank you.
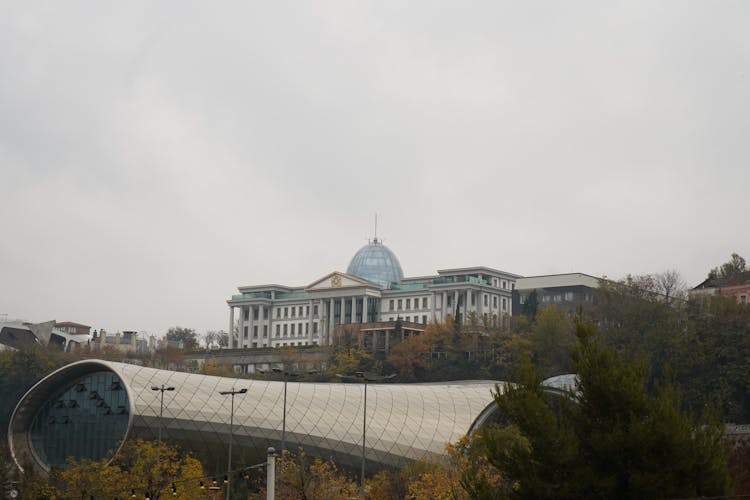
(404, 421)
(376, 263)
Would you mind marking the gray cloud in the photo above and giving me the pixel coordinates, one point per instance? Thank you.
(156, 156)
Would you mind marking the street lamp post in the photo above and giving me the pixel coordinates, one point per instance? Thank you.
(161, 388)
(231, 393)
(365, 377)
(286, 375)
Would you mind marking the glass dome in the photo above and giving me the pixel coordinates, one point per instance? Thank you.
(376, 263)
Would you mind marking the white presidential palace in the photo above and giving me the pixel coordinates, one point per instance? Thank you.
(372, 290)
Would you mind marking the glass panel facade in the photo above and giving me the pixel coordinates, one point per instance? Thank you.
(87, 419)
(376, 263)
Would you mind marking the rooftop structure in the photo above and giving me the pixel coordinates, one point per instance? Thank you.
(737, 286)
(18, 334)
(377, 264)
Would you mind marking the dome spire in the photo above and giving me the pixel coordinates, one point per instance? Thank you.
(375, 238)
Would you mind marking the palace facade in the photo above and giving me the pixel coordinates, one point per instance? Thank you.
(373, 289)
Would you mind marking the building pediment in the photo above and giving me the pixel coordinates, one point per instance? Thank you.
(336, 280)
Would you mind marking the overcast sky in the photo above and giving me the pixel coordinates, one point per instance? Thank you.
(154, 156)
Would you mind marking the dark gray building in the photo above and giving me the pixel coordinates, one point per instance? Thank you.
(566, 291)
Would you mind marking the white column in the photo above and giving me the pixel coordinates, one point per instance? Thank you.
(261, 324)
(322, 322)
(343, 310)
(309, 321)
(354, 309)
(444, 305)
(241, 330)
(433, 298)
(364, 309)
(330, 319)
(231, 327)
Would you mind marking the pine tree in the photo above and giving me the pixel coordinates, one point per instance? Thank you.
(615, 437)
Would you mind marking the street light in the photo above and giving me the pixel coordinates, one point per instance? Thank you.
(161, 408)
(231, 424)
(365, 377)
(286, 374)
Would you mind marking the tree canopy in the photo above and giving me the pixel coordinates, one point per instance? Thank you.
(734, 266)
(616, 437)
(187, 336)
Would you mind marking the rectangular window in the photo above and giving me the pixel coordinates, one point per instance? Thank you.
(569, 296)
(246, 313)
(390, 305)
(494, 301)
(473, 298)
(449, 302)
(255, 344)
(505, 304)
(399, 304)
(315, 310)
(486, 302)
(424, 302)
(246, 332)
(315, 328)
(307, 328)
(255, 332)
(299, 313)
(522, 299)
(255, 313)
(286, 330)
(278, 330)
(743, 299)
(294, 312)
(504, 284)
(408, 319)
(424, 319)
(307, 311)
(286, 312)
(265, 331)
(408, 304)
(278, 312)
(292, 332)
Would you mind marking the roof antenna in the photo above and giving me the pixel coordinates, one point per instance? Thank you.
(375, 239)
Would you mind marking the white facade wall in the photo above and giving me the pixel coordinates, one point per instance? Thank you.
(303, 320)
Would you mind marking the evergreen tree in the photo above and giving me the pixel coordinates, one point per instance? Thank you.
(615, 437)
(531, 305)
(734, 266)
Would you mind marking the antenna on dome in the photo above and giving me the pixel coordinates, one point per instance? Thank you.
(375, 239)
